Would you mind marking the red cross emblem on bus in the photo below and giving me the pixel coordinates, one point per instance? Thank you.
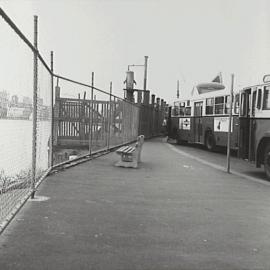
(186, 122)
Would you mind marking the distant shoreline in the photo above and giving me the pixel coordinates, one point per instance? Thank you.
(15, 118)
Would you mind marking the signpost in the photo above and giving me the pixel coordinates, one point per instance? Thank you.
(229, 129)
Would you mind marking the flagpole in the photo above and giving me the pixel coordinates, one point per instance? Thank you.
(220, 75)
(177, 93)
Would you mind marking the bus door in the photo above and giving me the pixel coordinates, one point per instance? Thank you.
(198, 106)
(252, 126)
(244, 120)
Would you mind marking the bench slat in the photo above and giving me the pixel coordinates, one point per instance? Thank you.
(125, 150)
(130, 150)
(122, 149)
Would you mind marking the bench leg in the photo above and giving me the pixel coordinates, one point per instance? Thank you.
(127, 158)
(139, 150)
(126, 163)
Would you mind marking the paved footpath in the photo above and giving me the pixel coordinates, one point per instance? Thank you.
(172, 213)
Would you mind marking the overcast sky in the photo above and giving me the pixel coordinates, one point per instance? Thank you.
(187, 40)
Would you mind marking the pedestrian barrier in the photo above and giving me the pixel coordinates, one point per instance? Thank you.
(47, 120)
(130, 156)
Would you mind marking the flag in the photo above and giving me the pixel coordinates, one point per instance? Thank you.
(193, 90)
(218, 78)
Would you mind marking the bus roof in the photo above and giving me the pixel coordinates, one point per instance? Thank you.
(256, 85)
(216, 93)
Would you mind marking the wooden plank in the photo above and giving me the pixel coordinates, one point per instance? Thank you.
(74, 100)
(123, 148)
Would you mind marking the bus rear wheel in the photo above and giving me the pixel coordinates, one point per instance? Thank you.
(210, 142)
(267, 161)
(179, 142)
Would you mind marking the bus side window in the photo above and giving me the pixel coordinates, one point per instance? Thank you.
(266, 98)
(243, 105)
(182, 111)
(188, 111)
(259, 99)
(209, 109)
(227, 104)
(236, 104)
(219, 105)
(253, 102)
(176, 111)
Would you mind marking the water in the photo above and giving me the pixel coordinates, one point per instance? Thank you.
(16, 145)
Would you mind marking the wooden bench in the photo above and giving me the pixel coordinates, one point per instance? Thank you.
(130, 156)
(126, 153)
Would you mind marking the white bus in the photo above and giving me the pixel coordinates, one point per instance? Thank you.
(204, 119)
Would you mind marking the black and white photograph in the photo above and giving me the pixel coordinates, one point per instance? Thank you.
(134, 134)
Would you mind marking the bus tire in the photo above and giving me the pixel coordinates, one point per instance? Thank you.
(179, 142)
(266, 161)
(210, 142)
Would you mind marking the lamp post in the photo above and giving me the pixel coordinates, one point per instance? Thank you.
(230, 125)
(130, 84)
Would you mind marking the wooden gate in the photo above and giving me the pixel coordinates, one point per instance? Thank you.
(72, 121)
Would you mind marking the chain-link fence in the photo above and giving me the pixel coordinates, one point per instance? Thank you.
(88, 120)
(44, 121)
(47, 120)
(25, 118)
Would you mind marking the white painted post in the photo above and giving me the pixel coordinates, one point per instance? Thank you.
(229, 128)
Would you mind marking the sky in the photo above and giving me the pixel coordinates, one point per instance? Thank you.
(190, 41)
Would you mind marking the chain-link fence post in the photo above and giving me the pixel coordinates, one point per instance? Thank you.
(109, 117)
(52, 115)
(91, 114)
(35, 85)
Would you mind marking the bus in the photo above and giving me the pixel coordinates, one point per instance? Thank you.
(204, 119)
(254, 129)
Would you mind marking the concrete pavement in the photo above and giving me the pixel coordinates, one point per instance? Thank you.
(172, 213)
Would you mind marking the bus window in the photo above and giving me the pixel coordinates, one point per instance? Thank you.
(253, 102)
(219, 105)
(182, 111)
(209, 106)
(266, 98)
(227, 104)
(182, 108)
(188, 111)
(245, 102)
(259, 99)
(176, 111)
(236, 104)
(243, 105)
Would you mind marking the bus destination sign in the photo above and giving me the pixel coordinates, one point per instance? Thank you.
(221, 124)
(184, 123)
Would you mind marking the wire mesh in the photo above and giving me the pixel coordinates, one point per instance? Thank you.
(39, 130)
(88, 120)
(72, 111)
(116, 122)
(16, 80)
(44, 121)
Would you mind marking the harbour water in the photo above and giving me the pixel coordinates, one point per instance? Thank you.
(16, 145)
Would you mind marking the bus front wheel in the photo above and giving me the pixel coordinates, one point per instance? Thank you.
(267, 161)
(210, 142)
